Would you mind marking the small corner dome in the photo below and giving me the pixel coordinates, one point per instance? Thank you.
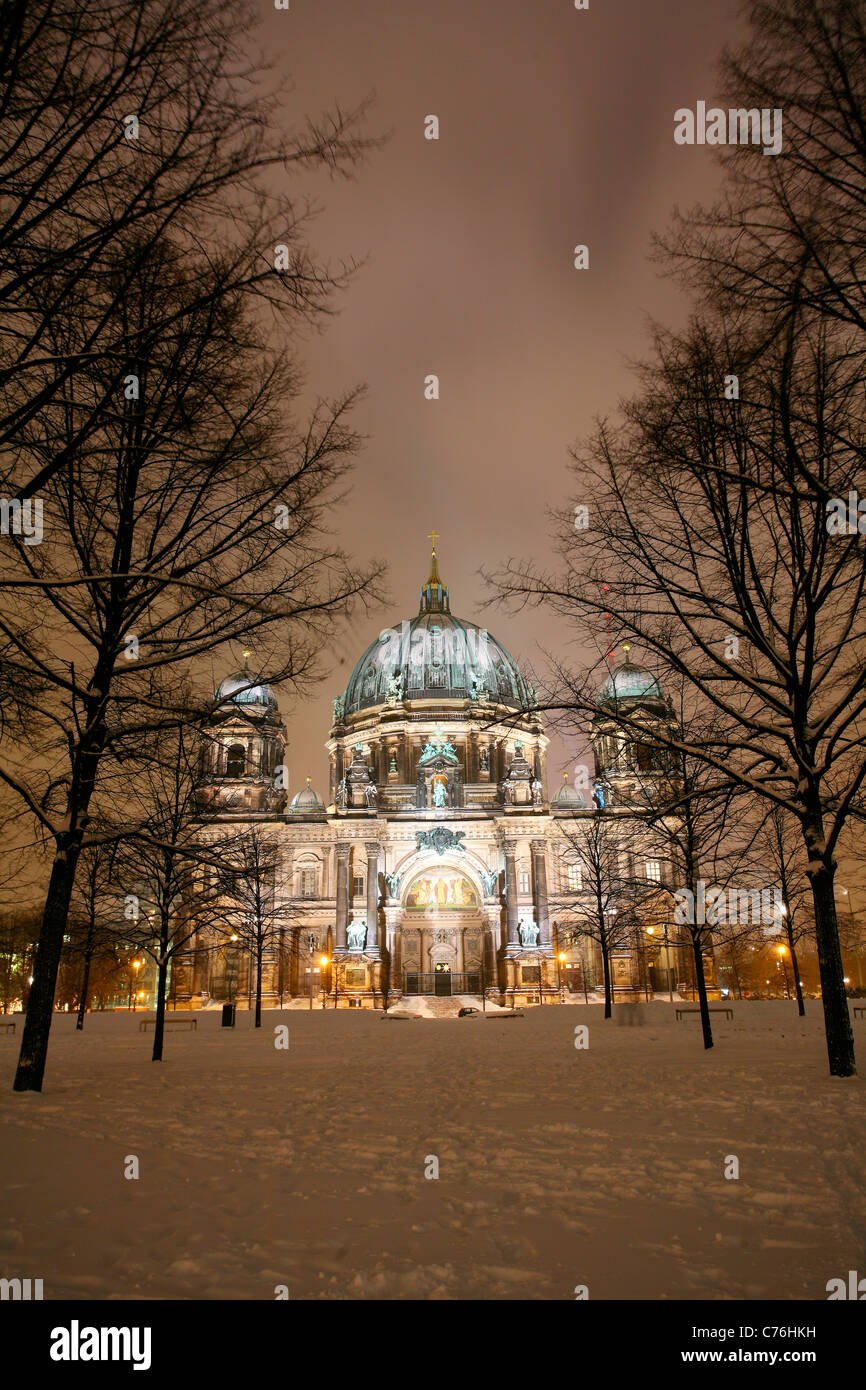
(567, 795)
(244, 688)
(306, 800)
(630, 682)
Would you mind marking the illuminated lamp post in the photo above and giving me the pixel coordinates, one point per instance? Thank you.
(323, 963)
(311, 942)
(784, 970)
(133, 996)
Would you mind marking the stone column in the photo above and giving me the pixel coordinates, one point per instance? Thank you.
(539, 892)
(373, 851)
(342, 915)
(402, 758)
(511, 906)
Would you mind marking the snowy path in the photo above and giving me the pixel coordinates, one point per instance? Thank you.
(558, 1166)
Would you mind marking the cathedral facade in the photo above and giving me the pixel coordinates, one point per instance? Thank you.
(438, 864)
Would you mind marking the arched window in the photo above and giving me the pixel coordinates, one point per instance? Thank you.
(235, 760)
(645, 757)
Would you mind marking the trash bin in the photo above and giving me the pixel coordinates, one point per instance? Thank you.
(228, 1015)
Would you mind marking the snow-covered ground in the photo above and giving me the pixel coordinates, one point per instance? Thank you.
(558, 1166)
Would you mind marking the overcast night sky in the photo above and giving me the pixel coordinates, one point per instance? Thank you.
(556, 128)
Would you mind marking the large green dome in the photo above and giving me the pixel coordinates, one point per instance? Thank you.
(435, 656)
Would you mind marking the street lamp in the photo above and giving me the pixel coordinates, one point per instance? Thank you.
(312, 943)
(235, 966)
(323, 963)
(136, 965)
(784, 971)
(560, 961)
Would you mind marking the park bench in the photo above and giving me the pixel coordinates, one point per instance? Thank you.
(6, 1024)
(178, 1023)
(859, 1011)
(729, 1013)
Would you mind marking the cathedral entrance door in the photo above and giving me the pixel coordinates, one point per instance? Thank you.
(442, 978)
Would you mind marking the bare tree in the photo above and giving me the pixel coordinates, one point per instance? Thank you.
(260, 913)
(722, 503)
(782, 846)
(699, 827)
(18, 933)
(95, 919)
(165, 865)
(710, 532)
(124, 124)
(603, 910)
(788, 232)
(194, 522)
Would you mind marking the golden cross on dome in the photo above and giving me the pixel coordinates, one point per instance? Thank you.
(433, 536)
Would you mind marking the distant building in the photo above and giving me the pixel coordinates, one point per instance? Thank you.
(437, 862)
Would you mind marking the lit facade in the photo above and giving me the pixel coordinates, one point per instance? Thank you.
(437, 865)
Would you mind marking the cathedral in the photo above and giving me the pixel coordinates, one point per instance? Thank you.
(437, 864)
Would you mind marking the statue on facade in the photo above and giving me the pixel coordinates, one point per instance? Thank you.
(537, 792)
(371, 794)
(340, 792)
(506, 791)
(485, 760)
(395, 688)
(356, 934)
(393, 882)
(439, 795)
(438, 747)
(601, 795)
(338, 710)
(528, 932)
(490, 879)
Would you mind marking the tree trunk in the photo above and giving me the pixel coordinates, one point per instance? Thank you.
(697, 951)
(605, 962)
(386, 975)
(40, 1002)
(837, 1020)
(159, 1025)
(259, 954)
(85, 984)
(801, 1007)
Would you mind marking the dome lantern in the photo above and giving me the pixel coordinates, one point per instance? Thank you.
(434, 595)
